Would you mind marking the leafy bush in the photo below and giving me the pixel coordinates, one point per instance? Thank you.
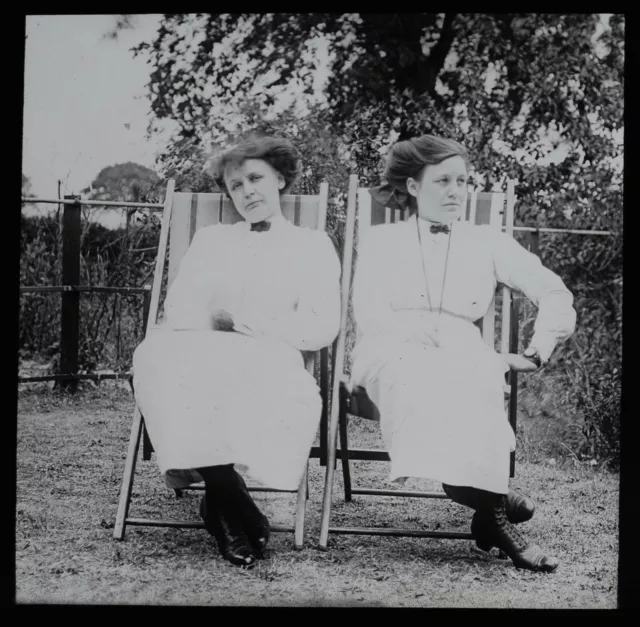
(600, 405)
(110, 324)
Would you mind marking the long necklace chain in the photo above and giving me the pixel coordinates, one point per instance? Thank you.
(424, 272)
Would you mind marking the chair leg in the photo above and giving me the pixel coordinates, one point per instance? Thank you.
(327, 496)
(127, 479)
(513, 377)
(513, 416)
(301, 509)
(147, 447)
(324, 416)
(307, 483)
(344, 449)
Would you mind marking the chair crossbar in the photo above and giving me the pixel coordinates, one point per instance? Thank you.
(401, 533)
(186, 524)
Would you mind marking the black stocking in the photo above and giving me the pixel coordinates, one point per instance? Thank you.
(226, 491)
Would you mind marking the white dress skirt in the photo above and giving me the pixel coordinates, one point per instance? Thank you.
(245, 398)
(443, 415)
(439, 388)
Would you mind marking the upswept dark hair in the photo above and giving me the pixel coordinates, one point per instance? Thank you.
(409, 158)
(278, 152)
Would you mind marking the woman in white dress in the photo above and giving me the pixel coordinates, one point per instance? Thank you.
(419, 287)
(222, 382)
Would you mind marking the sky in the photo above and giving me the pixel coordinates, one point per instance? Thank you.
(84, 100)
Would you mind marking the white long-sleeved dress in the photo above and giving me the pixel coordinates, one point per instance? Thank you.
(437, 385)
(245, 398)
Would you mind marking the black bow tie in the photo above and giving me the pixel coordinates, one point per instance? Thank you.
(264, 225)
(439, 228)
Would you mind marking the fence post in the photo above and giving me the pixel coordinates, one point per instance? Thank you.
(70, 312)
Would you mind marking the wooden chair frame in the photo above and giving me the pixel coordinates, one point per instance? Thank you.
(496, 208)
(183, 214)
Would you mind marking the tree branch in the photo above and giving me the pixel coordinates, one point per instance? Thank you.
(435, 61)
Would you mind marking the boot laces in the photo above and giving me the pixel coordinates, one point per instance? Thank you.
(509, 530)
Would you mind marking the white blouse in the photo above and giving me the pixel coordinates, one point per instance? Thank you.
(283, 283)
(391, 297)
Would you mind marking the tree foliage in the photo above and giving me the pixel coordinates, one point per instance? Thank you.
(126, 181)
(26, 186)
(478, 78)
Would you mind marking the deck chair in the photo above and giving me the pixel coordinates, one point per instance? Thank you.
(183, 214)
(495, 209)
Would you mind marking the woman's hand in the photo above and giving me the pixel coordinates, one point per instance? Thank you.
(519, 363)
(221, 320)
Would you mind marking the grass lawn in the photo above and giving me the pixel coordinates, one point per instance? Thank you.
(71, 455)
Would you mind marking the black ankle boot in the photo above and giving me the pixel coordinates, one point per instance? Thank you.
(223, 525)
(255, 523)
(490, 528)
(519, 508)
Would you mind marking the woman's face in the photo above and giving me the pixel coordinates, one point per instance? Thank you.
(255, 188)
(441, 192)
